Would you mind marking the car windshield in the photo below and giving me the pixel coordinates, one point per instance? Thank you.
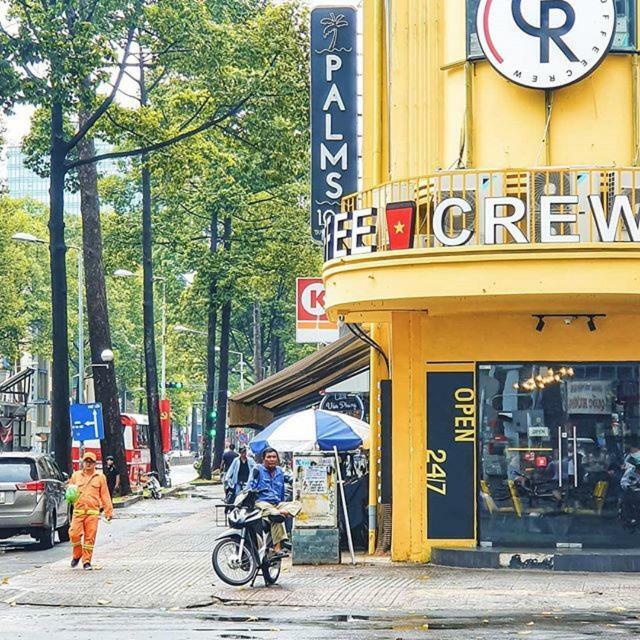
(17, 470)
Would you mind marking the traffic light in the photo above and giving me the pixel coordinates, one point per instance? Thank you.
(212, 432)
(174, 385)
(213, 414)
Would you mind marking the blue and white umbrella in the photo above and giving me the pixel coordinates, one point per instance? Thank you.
(313, 430)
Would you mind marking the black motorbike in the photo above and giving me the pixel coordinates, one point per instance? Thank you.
(246, 548)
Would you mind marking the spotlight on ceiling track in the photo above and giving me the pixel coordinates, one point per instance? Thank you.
(540, 325)
(592, 324)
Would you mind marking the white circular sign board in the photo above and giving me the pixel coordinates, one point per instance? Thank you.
(546, 44)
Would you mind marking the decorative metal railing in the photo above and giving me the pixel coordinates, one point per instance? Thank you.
(602, 205)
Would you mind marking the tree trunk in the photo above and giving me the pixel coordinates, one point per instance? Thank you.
(223, 378)
(60, 422)
(151, 367)
(258, 370)
(151, 363)
(208, 422)
(104, 378)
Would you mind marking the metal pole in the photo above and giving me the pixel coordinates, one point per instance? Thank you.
(347, 523)
(80, 328)
(241, 372)
(163, 357)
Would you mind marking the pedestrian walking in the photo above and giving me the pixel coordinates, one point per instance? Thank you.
(112, 475)
(268, 480)
(228, 457)
(93, 495)
(238, 475)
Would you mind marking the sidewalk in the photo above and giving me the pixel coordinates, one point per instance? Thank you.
(169, 567)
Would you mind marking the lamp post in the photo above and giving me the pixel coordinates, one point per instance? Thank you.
(31, 239)
(180, 328)
(125, 273)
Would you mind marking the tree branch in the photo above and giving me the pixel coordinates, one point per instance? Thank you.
(106, 103)
(212, 122)
(161, 145)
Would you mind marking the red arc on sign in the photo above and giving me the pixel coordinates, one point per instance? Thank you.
(401, 225)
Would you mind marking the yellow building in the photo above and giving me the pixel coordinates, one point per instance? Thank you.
(534, 321)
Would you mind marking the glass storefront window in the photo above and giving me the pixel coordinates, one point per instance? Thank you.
(625, 38)
(557, 444)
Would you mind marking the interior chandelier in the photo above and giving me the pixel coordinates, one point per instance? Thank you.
(539, 382)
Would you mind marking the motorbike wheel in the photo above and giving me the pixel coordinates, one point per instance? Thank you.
(271, 571)
(226, 565)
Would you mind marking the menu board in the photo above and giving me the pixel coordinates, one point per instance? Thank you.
(314, 486)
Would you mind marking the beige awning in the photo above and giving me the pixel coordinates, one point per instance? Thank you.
(298, 386)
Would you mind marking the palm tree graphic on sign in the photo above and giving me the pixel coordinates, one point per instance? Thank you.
(332, 24)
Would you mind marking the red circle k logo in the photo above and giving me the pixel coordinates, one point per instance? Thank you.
(546, 44)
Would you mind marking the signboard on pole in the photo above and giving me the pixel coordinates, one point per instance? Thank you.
(334, 112)
(86, 421)
(314, 486)
(165, 423)
(312, 323)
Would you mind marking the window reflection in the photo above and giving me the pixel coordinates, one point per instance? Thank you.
(556, 447)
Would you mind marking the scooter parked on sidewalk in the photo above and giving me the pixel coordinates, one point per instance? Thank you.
(149, 480)
(246, 548)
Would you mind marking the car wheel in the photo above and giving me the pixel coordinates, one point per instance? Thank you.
(47, 535)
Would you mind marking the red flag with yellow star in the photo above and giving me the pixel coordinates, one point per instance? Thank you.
(401, 225)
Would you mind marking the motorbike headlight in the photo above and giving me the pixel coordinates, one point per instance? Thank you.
(236, 517)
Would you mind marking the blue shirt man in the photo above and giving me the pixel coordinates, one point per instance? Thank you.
(269, 483)
(268, 480)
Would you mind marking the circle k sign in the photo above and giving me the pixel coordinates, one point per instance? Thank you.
(546, 44)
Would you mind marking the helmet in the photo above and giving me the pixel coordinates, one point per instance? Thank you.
(72, 494)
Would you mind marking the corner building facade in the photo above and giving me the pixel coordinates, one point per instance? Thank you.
(514, 365)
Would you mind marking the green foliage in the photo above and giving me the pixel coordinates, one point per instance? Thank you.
(24, 280)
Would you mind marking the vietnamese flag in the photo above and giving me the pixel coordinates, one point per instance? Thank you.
(401, 225)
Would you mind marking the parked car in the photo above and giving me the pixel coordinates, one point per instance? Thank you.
(32, 500)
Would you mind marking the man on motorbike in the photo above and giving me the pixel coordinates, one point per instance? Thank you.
(268, 480)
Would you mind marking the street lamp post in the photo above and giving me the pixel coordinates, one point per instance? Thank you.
(31, 239)
(125, 273)
(180, 328)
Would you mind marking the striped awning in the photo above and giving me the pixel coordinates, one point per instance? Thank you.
(299, 385)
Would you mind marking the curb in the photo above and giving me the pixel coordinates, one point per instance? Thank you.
(128, 501)
(131, 500)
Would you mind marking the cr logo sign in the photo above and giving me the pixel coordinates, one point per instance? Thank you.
(546, 44)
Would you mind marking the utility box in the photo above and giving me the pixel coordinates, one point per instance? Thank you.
(316, 546)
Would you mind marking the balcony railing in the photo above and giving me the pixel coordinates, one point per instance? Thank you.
(605, 204)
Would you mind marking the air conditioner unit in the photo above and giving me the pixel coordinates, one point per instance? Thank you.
(619, 183)
(464, 186)
(549, 183)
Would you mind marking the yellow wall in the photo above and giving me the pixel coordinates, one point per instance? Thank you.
(431, 94)
(427, 109)
(419, 341)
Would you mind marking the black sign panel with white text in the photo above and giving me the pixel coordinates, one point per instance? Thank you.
(451, 442)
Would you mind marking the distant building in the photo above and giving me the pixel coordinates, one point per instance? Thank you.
(22, 182)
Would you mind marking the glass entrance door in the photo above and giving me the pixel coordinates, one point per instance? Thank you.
(554, 445)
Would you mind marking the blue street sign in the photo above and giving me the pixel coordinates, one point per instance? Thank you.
(86, 421)
(334, 113)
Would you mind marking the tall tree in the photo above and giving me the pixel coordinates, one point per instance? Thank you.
(104, 377)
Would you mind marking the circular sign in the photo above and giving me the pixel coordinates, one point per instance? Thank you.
(312, 299)
(546, 44)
